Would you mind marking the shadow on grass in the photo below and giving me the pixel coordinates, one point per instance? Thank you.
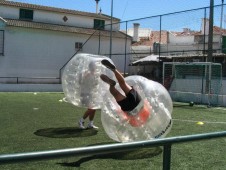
(65, 132)
(129, 155)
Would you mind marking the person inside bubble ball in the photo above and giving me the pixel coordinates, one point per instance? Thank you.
(131, 98)
(86, 81)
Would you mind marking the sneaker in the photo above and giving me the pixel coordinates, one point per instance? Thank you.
(81, 125)
(92, 126)
(107, 80)
(108, 64)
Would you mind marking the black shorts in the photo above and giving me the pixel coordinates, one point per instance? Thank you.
(131, 101)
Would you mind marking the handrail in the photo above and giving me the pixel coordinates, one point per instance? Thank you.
(109, 148)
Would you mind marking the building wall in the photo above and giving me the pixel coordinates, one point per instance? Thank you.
(56, 18)
(142, 32)
(188, 44)
(39, 53)
(9, 12)
(181, 39)
(42, 53)
(36, 53)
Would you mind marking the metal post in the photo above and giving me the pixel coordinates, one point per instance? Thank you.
(204, 38)
(159, 78)
(111, 28)
(99, 44)
(125, 65)
(210, 37)
(160, 35)
(209, 87)
(222, 12)
(222, 9)
(166, 157)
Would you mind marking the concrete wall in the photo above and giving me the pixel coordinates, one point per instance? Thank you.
(31, 88)
(185, 97)
(181, 90)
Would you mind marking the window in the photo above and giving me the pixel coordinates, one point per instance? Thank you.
(78, 46)
(199, 39)
(99, 24)
(1, 42)
(26, 14)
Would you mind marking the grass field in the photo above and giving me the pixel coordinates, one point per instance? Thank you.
(38, 122)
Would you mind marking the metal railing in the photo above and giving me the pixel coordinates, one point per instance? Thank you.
(110, 148)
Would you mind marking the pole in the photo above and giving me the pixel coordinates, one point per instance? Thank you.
(111, 28)
(166, 156)
(222, 9)
(210, 37)
(125, 62)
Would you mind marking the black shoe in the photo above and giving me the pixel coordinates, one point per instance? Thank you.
(107, 80)
(108, 64)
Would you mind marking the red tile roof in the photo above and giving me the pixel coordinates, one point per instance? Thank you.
(63, 28)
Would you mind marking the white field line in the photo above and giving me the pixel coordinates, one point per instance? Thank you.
(65, 100)
(220, 108)
(193, 121)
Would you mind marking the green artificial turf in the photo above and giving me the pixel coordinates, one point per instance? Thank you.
(41, 121)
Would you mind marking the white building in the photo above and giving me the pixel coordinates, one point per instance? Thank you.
(191, 42)
(37, 41)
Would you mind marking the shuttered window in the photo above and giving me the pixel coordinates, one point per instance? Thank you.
(78, 45)
(99, 24)
(26, 14)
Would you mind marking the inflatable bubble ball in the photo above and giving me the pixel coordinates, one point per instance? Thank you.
(151, 119)
(82, 87)
(81, 81)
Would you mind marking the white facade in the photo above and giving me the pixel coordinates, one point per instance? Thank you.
(186, 40)
(36, 51)
(187, 44)
(142, 32)
(55, 16)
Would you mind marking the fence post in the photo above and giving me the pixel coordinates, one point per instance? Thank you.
(166, 156)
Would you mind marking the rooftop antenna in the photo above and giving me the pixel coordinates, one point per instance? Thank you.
(97, 1)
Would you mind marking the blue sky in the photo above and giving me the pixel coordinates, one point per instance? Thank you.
(127, 9)
(134, 9)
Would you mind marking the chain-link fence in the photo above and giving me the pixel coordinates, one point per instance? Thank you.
(178, 37)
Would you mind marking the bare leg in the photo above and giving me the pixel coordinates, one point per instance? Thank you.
(116, 94)
(90, 113)
(124, 86)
